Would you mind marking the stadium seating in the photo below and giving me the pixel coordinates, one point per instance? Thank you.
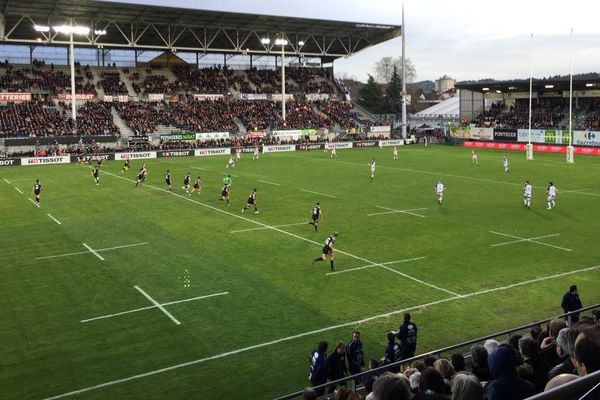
(32, 119)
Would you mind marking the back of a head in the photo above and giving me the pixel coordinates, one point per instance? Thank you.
(479, 355)
(458, 362)
(309, 394)
(407, 316)
(559, 380)
(562, 340)
(444, 367)
(431, 380)
(390, 387)
(466, 387)
(323, 346)
(391, 337)
(528, 347)
(587, 350)
(490, 345)
(502, 363)
(428, 361)
(342, 393)
(555, 326)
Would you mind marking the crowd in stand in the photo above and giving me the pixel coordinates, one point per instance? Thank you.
(300, 115)
(111, 83)
(525, 365)
(32, 119)
(257, 115)
(207, 80)
(95, 118)
(339, 112)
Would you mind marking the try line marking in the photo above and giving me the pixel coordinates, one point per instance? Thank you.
(269, 183)
(156, 304)
(54, 219)
(18, 190)
(264, 227)
(6, 180)
(394, 211)
(371, 265)
(95, 250)
(153, 306)
(320, 194)
(531, 240)
(34, 203)
(309, 333)
(278, 230)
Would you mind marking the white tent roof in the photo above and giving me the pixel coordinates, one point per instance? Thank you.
(449, 106)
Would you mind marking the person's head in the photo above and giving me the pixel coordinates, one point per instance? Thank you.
(513, 341)
(431, 381)
(597, 315)
(167, 171)
(414, 379)
(479, 355)
(562, 343)
(466, 387)
(418, 365)
(458, 362)
(342, 393)
(390, 387)
(528, 347)
(406, 316)
(318, 203)
(309, 394)
(373, 363)
(490, 345)
(391, 337)
(559, 380)
(354, 396)
(587, 351)
(369, 381)
(555, 326)
(444, 367)
(573, 288)
(428, 361)
(355, 334)
(535, 331)
(502, 363)
(340, 347)
(323, 346)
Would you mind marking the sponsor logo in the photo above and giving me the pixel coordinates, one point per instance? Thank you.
(212, 152)
(45, 160)
(134, 156)
(8, 163)
(589, 135)
(338, 145)
(314, 146)
(384, 143)
(365, 144)
(183, 153)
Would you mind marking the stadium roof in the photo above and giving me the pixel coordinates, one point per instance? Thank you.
(558, 84)
(137, 26)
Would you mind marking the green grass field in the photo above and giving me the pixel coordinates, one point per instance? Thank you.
(254, 341)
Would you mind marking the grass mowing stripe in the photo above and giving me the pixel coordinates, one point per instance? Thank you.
(157, 305)
(271, 227)
(300, 335)
(420, 281)
(94, 252)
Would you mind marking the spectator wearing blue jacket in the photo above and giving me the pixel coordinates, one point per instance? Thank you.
(407, 334)
(318, 367)
(505, 383)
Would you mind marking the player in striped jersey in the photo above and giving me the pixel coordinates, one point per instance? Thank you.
(37, 190)
(168, 180)
(251, 202)
(328, 250)
(316, 213)
(197, 186)
(186, 182)
(141, 177)
(96, 174)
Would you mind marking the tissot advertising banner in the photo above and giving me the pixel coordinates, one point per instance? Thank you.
(338, 145)
(9, 162)
(45, 160)
(175, 153)
(135, 155)
(212, 152)
(279, 148)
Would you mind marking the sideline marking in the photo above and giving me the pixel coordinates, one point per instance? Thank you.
(320, 194)
(151, 307)
(225, 173)
(156, 304)
(264, 227)
(269, 183)
(18, 190)
(372, 265)
(321, 330)
(6, 180)
(97, 250)
(394, 211)
(532, 240)
(54, 219)
(34, 203)
(93, 251)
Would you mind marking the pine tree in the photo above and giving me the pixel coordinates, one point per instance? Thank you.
(371, 96)
(393, 97)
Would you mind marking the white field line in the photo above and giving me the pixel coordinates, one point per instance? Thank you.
(251, 221)
(575, 191)
(524, 240)
(156, 304)
(394, 211)
(150, 307)
(269, 183)
(6, 180)
(263, 227)
(420, 281)
(320, 194)
(94, 252)
(97, 250)
(374, 265)
(531, 240)
(34, 203)
(18, 190)
(201, 169)
(54, 219)
(226, 173)
(309, 333)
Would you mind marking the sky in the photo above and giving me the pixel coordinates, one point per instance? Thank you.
(467, 40)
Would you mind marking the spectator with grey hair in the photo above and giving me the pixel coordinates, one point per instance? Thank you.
(562, 351)
(466, 386)
(490, 345)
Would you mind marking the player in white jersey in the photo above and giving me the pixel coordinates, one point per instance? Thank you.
(527, 194)
(395, 153)
(505, 163)
(474, 159)
(552, 191)
(333, 152)
(439, 189)
(255, 154)
(238, 154)
(231, 162)
(372, 165)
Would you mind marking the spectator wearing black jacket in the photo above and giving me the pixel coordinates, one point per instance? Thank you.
(537, 368)
(562, 351)
(392, 352)
(407, 334)
(336, 364)
(479, 357)
(356, 357)
(318, 367)
(571, 302)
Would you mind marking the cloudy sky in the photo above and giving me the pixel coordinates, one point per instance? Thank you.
(461, 38)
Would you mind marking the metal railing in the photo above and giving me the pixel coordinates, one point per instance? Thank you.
(395, 365)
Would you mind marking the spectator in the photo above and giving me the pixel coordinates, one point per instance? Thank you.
(559, 380)
(513, 342)
(506, 385)
(538, 368)
(414, 380)
(309, 394)
(390, 387)
(458, 362)
(392, 353)
(428, 361)
(587, 351)
(479, 358)
(342, 394)
(318, 367)
(548, 351)
(571, 302)
(419, 365)
(562, 351)
(354, 396)
(336, 365)
(445, 368)
(369, 381)
(356, 361)
(466, 387)
(490, 345)
(407, 333)
(431, 385)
